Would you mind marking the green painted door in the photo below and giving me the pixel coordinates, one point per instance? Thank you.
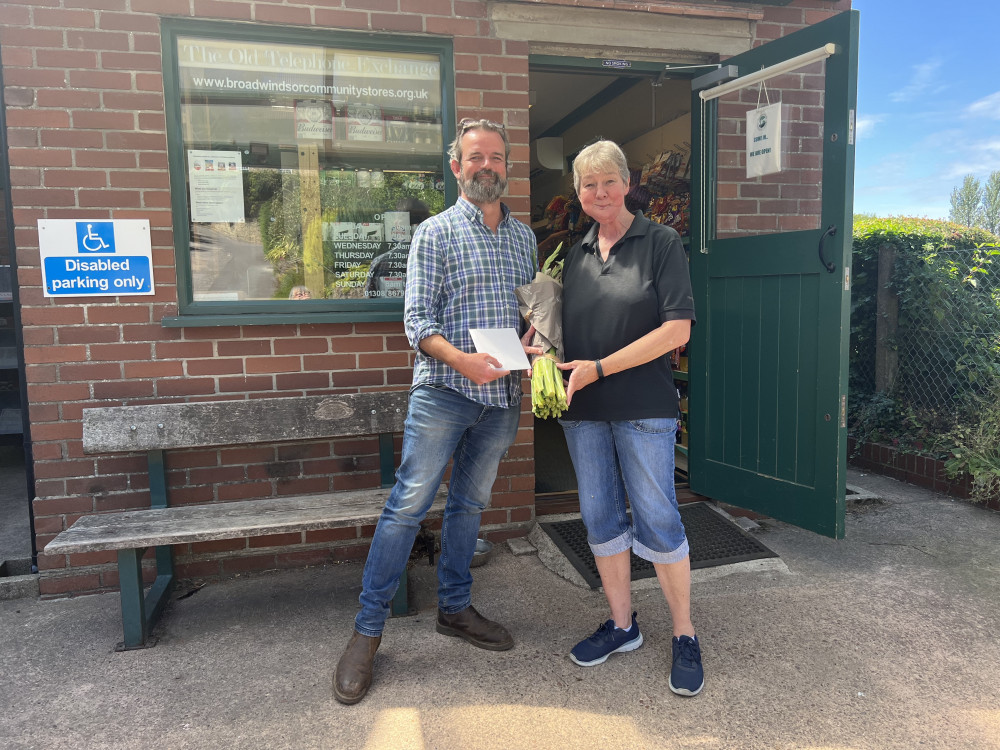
(770, 263)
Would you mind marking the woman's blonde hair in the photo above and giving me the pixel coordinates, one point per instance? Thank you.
(600, 158)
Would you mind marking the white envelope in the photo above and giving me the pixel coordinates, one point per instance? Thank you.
(502, 343)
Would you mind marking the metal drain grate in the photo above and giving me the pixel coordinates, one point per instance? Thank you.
(714, 540)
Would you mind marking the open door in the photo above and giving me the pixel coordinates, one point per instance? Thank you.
(770, 263)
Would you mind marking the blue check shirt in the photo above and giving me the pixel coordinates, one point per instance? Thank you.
(460, 275)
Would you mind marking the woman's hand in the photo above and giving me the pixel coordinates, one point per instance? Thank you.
(582, 372)
(656, 343)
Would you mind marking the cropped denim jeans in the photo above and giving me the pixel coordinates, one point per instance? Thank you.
(441, 425)
(631, 459)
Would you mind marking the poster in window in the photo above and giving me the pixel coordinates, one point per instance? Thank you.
(216, 179)
(313, 120)
(364, 123)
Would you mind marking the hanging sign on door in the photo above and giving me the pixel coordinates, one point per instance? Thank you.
(764, 140)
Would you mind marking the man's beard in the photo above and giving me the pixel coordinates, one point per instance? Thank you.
(481, 190)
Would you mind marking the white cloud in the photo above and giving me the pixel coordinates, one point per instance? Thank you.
(978, 158)
(889, 171)
(922, 82)
(988, 106)
(914, 196)
(896, 184)
(866, 124)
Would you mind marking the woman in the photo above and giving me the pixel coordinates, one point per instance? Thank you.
(626, 304)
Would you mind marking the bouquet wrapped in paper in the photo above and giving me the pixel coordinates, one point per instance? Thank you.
(540, 303)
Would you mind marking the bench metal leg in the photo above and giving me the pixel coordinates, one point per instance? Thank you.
(134, 624)
(386, 459)
(141, 611)
(157, 598)
(165, 561)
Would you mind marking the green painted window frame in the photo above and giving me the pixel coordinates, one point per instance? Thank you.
(269, 312)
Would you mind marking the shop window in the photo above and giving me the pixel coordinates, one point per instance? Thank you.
(301, 162)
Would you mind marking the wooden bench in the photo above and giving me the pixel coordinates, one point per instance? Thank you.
(156, 428)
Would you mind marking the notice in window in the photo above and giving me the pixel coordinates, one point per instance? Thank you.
(764, 140)
(216, 179)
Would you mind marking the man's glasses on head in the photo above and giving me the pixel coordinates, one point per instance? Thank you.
(471, 122)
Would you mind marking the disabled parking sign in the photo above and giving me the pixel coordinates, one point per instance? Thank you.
(95, 257)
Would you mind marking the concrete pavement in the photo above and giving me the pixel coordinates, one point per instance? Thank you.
(886, 639)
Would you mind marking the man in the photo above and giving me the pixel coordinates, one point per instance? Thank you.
(461, 273)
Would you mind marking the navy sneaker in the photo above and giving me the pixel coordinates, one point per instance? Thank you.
(605, 641)
(686, 675)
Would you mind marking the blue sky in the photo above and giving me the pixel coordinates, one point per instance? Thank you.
(928, 103)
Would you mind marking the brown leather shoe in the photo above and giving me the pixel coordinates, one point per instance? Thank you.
(353, 676)
(476, 629)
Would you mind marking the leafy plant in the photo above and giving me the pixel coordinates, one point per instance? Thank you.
(946, 284)
(977, 449)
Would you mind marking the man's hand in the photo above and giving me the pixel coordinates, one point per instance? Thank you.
(480, 367)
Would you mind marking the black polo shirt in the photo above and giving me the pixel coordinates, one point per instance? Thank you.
(644, 283)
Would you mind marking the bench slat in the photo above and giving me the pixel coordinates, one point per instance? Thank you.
(203, 523)
(116, 429)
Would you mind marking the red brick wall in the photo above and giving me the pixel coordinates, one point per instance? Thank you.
(86, 131)
(782, 21)
(789, 200)
(923, 471)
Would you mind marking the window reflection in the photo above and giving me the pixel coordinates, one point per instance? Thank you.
(306, 167)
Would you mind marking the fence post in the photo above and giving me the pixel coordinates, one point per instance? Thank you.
(886, 322)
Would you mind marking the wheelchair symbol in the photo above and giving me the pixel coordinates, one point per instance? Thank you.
(97, 243)
(97, 237)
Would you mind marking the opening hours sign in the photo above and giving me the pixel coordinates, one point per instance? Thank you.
(95, 257)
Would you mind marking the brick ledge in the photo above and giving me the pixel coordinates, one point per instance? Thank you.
(653, 7)
(922, 471)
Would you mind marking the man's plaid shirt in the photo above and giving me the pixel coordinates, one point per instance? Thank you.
(460, 275)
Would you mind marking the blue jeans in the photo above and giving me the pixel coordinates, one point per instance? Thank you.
(441, 425)
(634, 459)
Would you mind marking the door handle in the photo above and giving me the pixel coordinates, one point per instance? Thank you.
(831, 231)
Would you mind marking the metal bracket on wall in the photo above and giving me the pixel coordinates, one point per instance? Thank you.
(722, 75)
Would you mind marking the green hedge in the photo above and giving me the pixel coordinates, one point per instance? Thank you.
(946, 279)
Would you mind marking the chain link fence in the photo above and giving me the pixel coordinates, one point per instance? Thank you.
(925, 343)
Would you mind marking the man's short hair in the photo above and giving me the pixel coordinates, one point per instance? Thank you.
(470, 123)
